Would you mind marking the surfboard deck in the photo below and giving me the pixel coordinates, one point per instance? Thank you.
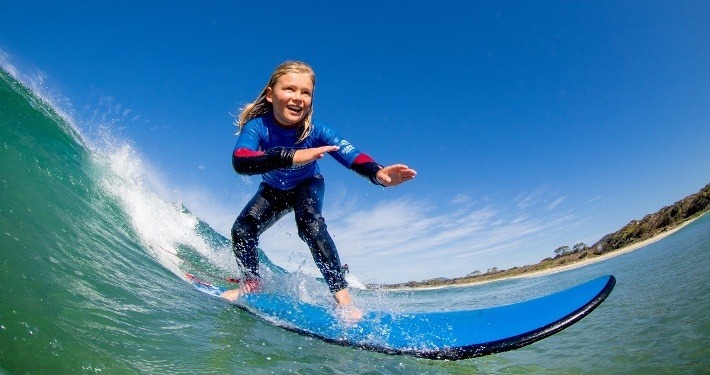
(444, 335)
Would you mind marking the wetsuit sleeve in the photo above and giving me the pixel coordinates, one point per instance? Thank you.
(365, 166)
(250, 162)
(349, 156)
(248, 158)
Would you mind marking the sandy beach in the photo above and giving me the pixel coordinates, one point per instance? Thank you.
(605, 256)
(581, 263)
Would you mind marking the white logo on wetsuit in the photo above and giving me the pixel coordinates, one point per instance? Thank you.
(345, 147)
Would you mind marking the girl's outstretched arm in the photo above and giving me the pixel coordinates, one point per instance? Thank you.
(394, 175)
(307, 155)
(246, 161)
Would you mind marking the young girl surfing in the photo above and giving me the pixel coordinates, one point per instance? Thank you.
(279, 140)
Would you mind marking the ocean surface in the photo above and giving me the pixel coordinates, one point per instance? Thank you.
(93, 263)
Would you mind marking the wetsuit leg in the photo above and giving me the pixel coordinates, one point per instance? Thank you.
(263, 210)
(308, 206)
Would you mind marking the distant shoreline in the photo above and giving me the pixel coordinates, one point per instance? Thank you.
(555, 269)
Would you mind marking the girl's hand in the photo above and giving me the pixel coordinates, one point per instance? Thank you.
(307, 155)
(396, 174)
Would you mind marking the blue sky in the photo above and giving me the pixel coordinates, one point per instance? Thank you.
(531, 124)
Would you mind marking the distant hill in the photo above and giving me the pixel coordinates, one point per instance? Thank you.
(636, 231)
(666, 218)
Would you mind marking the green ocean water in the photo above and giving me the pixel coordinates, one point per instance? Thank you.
(91, 258)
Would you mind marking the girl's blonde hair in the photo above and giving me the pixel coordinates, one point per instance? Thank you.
(261, 106)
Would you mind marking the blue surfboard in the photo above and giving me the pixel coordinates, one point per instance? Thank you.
(450, 335)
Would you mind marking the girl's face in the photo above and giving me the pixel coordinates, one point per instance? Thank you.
(291, 98)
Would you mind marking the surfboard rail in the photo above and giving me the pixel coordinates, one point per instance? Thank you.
(521, 340)
(444, 335)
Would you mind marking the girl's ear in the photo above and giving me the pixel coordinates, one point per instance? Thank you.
(269, 95)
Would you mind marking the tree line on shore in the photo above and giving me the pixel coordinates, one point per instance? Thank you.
(665, 219)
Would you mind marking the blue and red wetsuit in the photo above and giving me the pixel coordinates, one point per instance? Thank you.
(264, 147)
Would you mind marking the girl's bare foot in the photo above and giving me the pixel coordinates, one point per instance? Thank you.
(231, 295)
(346, 309)
(249, 286)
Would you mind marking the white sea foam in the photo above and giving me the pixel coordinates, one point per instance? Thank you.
(161, 224)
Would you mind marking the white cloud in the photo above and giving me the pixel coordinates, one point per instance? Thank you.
(554, 204)
(524, 200)
(408, 240)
